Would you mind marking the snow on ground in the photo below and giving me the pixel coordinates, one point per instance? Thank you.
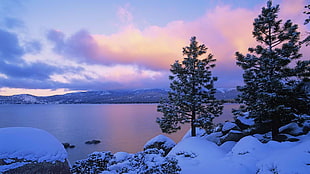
(198, 155)
(194, 154)
(30, 144)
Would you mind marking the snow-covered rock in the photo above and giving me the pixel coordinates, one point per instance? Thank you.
(32, 149)
(229, 126)
(244, 123)
(202, 152)
(160, 142)
(292, 129)
(214, 137)
(264, 138)
(232, 135)
(246, 145)
(227, 146)
(246, 156)
(121, 156)
(306, 126)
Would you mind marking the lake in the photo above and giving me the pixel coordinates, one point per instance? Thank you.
(120, 127)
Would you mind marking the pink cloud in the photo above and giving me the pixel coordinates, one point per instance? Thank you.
(146, 48)
(292, 9)
(158, 47)
(124, 14)
(223, 30)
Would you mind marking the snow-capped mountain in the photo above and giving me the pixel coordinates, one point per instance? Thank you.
(110, 96)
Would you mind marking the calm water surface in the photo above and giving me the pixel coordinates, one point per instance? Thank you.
(125, 127)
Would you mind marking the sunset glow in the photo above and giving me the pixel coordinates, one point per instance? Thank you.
(57, 47)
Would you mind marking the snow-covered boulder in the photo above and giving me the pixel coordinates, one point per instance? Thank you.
(247, 156)
(292, 129)
(195, 154)
(306, 126)
(121, 156)
(244, 123)
(264, 138)
(160, 142)
(214, 137)
(247, 145)
(227, 146)
(232, 135)
(229, 126)
(31, 150)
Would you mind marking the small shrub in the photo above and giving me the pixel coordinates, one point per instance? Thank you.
(145, 162)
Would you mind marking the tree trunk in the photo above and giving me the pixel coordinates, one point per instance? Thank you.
(275, 127)
(193, 123)
(193, 110)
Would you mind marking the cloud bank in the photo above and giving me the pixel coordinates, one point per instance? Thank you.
(223, 30)
(132, 57)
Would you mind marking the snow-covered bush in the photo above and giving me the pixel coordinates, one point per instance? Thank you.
(95, 163)
(160, 142)
(152, 161)
(148, 161)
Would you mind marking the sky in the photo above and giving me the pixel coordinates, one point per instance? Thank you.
(55, 46)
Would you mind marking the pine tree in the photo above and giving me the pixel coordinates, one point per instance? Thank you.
(307, 21)
(191, 98)
(272, 87)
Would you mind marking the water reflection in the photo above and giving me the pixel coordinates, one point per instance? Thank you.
(124, 127)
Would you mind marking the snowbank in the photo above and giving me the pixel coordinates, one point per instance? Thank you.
(30, 144)
(249, 155)
(21, 145)
(195, 154)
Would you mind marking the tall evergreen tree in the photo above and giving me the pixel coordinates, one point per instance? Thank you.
(272, 87)
(191, 98)
(307, 21)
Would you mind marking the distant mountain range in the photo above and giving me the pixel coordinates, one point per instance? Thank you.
(106, 97)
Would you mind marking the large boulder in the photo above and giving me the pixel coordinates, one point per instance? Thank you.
(160, 142)
(306, 126)
(247, 145)
(244, 123)
(38, 168)
(229, 126)
(232, 135)
(214, 137)
(292, 129)
(30, 150)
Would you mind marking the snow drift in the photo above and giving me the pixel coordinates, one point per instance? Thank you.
(21, 146)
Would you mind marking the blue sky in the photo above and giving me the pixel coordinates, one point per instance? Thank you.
(54, 47)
